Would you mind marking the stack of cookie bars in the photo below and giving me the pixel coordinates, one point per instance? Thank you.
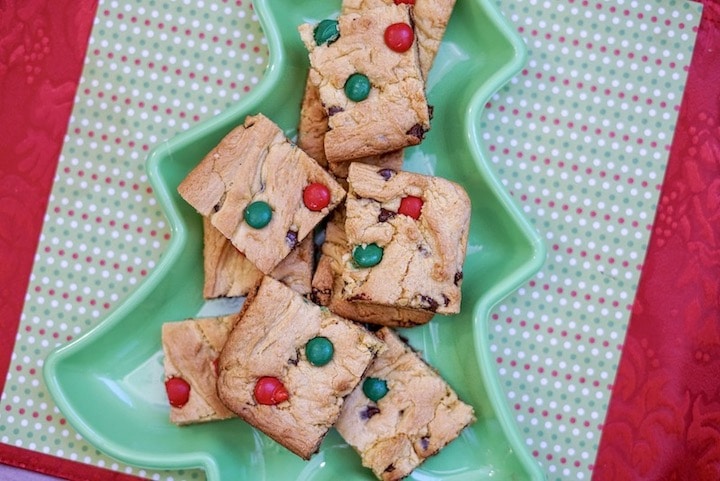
(392, 255)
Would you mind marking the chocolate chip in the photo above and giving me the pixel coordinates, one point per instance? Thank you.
(334, 110)
(291, 238)
(294, 360)
(369, 412)
(423, 250)
(385, 215)
(387, 173)
(446, 300)
(417, 130)
(390, 468)
(431, 111)
(359, 297)
(424, 443)
(458, 277)
(432, 304)
(320, 296)
(220, 203)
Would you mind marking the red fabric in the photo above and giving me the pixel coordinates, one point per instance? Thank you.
(58, 467)
(664, 417)
(42, 49)
(663, 421)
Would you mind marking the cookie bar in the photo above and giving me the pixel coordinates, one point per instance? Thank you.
(430, 19)
(228, 273)
(313, 124)
(402, 413)
(296, 270)
(311, 138)
(390, 160)
(289, 364)
(408, 234)
(191, 349)
(261, 191)
(327, 284)
(374, 96)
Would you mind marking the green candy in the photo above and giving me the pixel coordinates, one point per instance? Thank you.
(327, 31)
(319, 351)
(258, 214)
(367, 256)
(357, 87)
(374, 388)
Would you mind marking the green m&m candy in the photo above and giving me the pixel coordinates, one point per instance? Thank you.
(357, 87)
(327, 31)
(319, 350)
(374, 388)
(258, 214)
(368, 255)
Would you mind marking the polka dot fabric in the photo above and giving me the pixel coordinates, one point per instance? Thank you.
(581, 139)
(152, 70)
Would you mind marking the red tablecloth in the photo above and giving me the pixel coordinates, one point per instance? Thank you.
(42, 48)
(664, 417)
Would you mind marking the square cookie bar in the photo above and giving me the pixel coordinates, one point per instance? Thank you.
(289, 364)
(327, 284)
(407, 237)
(430, 19)
(228, 273)
(261, 191)
(374, 95)
(311, 138)
(191, 349)
(402, 412)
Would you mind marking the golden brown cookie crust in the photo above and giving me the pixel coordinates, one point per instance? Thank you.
(327, 285)
(395, 114)
(256, 162)
(269, 340)
(418, 416)
(423, 259)
(191, 348)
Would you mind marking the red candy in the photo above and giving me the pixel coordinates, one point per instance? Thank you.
(270, 391)
(411, 206)
(399, 37)
(408, 2)
(178, 391)
(316, 196)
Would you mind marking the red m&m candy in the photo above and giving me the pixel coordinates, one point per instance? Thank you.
(270, 391)
(411, 206)
(178, 391)
(408, 2)
(316, 196)
(399, 37)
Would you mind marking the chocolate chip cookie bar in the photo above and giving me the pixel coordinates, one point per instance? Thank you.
(408, 235)
(327, 284)
(430, 19)
(228, 273)
(261, 191)
(401, 413)
(288, 365)
(191, 349)
(366, 68)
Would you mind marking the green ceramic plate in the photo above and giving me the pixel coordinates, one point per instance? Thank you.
(108, 383)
